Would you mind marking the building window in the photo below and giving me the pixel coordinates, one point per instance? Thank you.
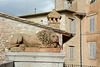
(92, 50)
(72, 25)
(71, 4)
(66, 5)
(45, 22)
(92, 1)
(71, 52)
(92, 25)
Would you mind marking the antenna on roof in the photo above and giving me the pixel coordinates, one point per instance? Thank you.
(35, 10)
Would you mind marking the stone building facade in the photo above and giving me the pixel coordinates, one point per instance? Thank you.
(68, 19)
(89, 27)
(86, 41)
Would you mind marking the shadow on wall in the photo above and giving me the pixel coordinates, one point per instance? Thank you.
(7, 64)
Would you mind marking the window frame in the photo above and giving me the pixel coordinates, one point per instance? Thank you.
(92, 24)
(72, 25)
(71, 52)
(92, 50)
(66, 5)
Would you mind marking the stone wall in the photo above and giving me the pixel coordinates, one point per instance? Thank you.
(36, 59)
(9, 27)
(38, 19)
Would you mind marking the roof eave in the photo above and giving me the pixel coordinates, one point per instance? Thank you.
(63, 10)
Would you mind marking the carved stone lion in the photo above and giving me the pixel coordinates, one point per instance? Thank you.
(44, 38)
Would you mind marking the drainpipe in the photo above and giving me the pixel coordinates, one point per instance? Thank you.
(81, 41)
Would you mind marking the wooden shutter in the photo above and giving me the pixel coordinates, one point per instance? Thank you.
(92, 51)
(71, 52)
(93, 22)
(65, 5)
(74, 26)
(71, 25)
(92, 25)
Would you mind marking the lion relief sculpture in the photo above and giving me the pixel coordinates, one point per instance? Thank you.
(44, 38)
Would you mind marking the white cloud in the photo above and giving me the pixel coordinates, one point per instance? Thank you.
(49, 6)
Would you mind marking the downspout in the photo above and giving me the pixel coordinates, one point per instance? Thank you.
(81, 41)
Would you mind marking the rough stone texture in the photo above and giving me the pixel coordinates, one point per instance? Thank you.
(31, 59)
(8, 28)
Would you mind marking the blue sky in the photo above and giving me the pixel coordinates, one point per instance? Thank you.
(24, 7)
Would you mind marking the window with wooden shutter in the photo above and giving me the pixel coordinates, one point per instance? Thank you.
(72, 26)
(66, 5)
(92, 50)
(92, 25)
(71, 52)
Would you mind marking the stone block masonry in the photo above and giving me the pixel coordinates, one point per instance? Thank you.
(34, 59)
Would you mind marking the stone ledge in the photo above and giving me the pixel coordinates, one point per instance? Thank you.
(35, 57)
(33, 49)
